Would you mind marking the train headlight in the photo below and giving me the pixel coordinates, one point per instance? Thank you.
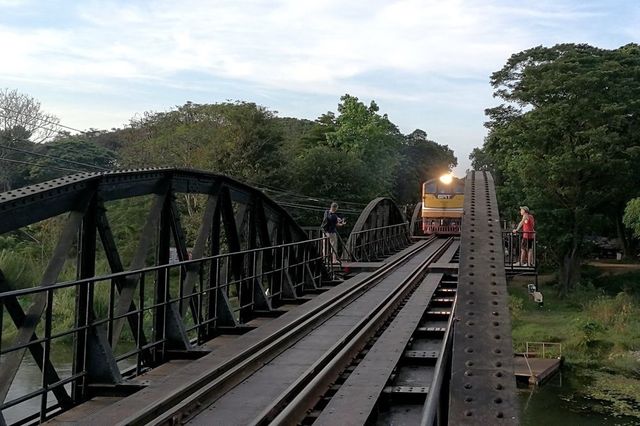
(446, 179)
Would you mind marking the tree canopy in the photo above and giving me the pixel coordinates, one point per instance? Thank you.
(355, 154)
(566, 140)
(22, 123)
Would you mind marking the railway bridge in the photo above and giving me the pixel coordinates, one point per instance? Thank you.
(248, 321)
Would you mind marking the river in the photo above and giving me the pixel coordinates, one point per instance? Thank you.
(29, 379)
(558, 403)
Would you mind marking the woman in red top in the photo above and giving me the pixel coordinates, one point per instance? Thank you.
(528, 236)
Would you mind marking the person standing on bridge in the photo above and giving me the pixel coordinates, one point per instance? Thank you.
(528, 236)
(329, 226)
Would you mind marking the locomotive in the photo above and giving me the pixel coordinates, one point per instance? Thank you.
(442, 201)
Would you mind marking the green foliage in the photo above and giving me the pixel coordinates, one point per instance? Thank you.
(78, 149)
(565, 141)
(516, 305)
(421, 159)
(326, 172)
(366, 140)
(126, 219)
(612, 285)
(239, 139)
(361, 153)
(596, 330)
(631, 218)
(589, 330)
(13, 174)
(17, 270)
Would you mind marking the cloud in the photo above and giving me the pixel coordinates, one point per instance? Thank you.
(312, 47)
(431, 56)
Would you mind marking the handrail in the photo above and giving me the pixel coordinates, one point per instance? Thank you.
(512, 246)
(433, 398)
(526, 359)
(376, 242)
(544, 345)
(270, 275)
(64, 284)
(190, 395)
(380, 227)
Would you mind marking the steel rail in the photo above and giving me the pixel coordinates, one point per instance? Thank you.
(216, 382)
(308, 388)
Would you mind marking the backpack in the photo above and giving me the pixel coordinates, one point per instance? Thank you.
(325, 222)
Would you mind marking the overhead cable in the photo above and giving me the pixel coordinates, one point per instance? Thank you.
(78, 163)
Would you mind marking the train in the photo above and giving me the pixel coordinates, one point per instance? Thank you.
(442, 202)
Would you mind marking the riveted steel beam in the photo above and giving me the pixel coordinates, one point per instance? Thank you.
(237, 217)
(483, 386)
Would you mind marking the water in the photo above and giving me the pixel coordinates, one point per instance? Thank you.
(556, 403)
(29, 379)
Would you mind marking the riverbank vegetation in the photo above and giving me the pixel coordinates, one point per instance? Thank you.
(598, 326)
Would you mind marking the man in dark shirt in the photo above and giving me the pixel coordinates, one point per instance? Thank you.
(330, 225)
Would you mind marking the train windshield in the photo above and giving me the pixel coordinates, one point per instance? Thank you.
(435, 187)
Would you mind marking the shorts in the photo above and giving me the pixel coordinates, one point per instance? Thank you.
(333, 241)
(527, 243)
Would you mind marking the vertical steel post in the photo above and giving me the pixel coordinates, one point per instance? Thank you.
(161, 289)
(84, 297)
(46, 357)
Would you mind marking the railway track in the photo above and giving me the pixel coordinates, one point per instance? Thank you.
(203, 400)
(398, 379)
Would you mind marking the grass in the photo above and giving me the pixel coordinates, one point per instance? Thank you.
(598, 326)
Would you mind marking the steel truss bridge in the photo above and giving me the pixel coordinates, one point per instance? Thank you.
(251, 323)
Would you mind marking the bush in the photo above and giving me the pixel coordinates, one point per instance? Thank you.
(19, 270)
(516, 306)
(589, 330)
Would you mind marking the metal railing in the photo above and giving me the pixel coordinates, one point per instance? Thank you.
(513, 245)
(375, 243)
(552, 349)
(228, 289)
(433, 402)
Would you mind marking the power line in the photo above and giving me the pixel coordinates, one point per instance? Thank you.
(305, 197)
(78, 163)
(29, 163)
(291, 197)
(314, 208)
(265, 187)
(46, 128)
(41, 119)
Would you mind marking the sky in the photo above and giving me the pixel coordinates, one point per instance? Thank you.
(427, 64)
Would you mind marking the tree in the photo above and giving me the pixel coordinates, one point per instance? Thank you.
(240, 139)
(329, 173)
(24, 113)
(631, 217)
(366, 139)
(14, 145)
(567, 140)
(22, 123)
(77, 148)
(421, 159)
